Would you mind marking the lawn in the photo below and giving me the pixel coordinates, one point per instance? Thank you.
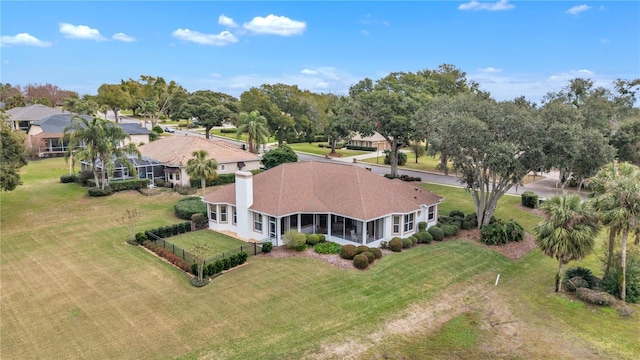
(243, 137)
(71, 286)
(206, 243)
(313, 148)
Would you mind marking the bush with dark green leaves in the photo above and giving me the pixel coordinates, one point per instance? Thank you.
(267, 247)
(129, 184)
(449, 230)
(327, 248)
(141, 237)
(361, 261)
(321, 238)
(414, 240)
(402, 157)
(407, 243)
(613, 282)
(467, 225)
(67, 179)
(97, 192)
(312, 239)
(454, 213)
(529, 199)
(362, 148)
(157, 129)
(376, 252)
(348, 251)
(295, 240)
(473, 219)
(279, 155)
(369, 256)
(436, 233)
(585, 274)
(228, 130)
(361, 248)
(84, 176)
(424, 237)
(501, 232)
(395, 244)
(422, 226)
(185, 208)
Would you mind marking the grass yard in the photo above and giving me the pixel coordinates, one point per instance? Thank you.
(206, 243)
(72, 287)
(243, 137)
(313, 148)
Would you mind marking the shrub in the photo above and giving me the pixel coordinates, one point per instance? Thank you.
(407, 243)
(376, 252)
(409, 178)
(67, 179)
(312, 239)
(473, 219)
(279, 155)
(448, 230)
(395, 244)
(267, 247)
(141, 238)
(83, 176)
(294, 240)
(595, 297)
(585, 274)
(422, 226)
(185, 190)
(321, 238)
(328, 248)
(129, 184)
(454, 213)
(361, 261)
(362, 148)
(574, 283)
(424, 237)
(96, 191)
(612, 283)
(402, 157)
(369, 256)
(157, 129)
(160, 182)
(228, 130)
(199, 221)
(361, 248)
(348, 251)
(467, 225)
(529, 199)
(436, 233)
(501, 232)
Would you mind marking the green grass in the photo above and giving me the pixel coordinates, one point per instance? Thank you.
(243, 137)
(72, 287)
(206, 243)
(313, 148)
(425, 163)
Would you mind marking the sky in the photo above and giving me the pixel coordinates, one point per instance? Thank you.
(511, 48)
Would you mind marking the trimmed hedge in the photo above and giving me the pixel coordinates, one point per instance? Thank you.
(362, 148)
(361, 248)
(376, 252)
(68, 179)
(369, 256)
(422, 226)
(361, 261)
(529, 199)
(423, 237)
(129, 184)
(267, 247)
(312, 239)
(295, 240)
(218, 266)
(395, 244)
(168, 231)
(407, 243)
(185, 208)
(348, 252)
(436, 233)
(228, 130)
(96, 191)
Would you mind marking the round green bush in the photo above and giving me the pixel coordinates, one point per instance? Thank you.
(67, 179)
(376, 252)
(312, 239)
(454, 213)
(395, 244)
(414, 240)
(449, 230)
(436, 233)
(267, 247)
(424, 237)
(321, 238)
(185, 208)
(361, 248)
(422, 226)
(407, 243)
(369, 256)
(348, 252)
(294, 240)
(361, 261)
(467, 225)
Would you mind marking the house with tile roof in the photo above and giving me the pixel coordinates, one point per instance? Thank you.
(175, 151)
(346, 203)
(21, 117)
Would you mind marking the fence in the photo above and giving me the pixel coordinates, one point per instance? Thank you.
(251, 249)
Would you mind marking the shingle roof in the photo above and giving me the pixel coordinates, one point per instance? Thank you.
(33, 112)
(343, 189)
(134, 129)
(54, 125)
(375, 137)
(176, 150)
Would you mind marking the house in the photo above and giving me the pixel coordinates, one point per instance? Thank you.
(376, 141)
(45, 135)
(346, 203)
(175, 151)
(21, 117)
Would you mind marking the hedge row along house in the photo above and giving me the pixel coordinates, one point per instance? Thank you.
(346, 203)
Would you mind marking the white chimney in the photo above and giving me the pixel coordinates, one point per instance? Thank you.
(244, 200)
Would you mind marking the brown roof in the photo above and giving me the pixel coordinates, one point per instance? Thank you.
(176, 150)
(343, 189)
(375, 137)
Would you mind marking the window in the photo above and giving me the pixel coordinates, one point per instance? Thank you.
(235, 215)
(396, 224)
(177, 176)
(408, 222)
(213, 213)
(432, 213)
(222, 167)
(223, 213)
(257, 222)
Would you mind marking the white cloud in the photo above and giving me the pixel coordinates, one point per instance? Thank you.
(308, 72)
(490, 70)
(222, 39)
(322, 85)
(578, 9)
(275, 25)
(572, 74)
(80, 32)
(123, 37)
(215, 75)
(23, 39)
(497, 6)
(226, 21)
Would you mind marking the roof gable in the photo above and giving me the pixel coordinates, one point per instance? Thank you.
(33, 112)
(176, 150)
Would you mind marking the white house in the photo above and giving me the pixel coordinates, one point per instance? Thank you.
(347, 203)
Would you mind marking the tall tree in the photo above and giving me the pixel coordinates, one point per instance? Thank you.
(14, 101)
(255, 125)
(340, 120)
(114, 96)
(83, 136)
(111, 150)
(203, 167)
(279, 155)
(104, 109)
(13, 155)
(281, 125)
(617, 200)
(568, 233)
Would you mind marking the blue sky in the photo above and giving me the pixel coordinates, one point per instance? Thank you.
(511, 48)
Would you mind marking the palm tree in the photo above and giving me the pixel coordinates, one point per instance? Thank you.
(617, 201)
(201, 167)
(104, 109)
(112, 150)
(84, 137)
(255, 125)
(568, 232)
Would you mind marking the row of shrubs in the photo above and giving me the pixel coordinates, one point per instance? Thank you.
(222, 179)
(228, 130)
(218, 266)
(169, 231)
(457, 217)
(362, 255)
(339, 145)
(115, 186)
(185, 208)
(167, 254)
(361, 148)
(404, 177)
(298, 241)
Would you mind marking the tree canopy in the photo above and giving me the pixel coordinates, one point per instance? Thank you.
(13, 155)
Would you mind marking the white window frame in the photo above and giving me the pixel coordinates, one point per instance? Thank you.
(213, 214)
(395, 225)
(432, 213)
(409, 222)
(234, 219)
(222, 167)
(223, 214)
(257, 222)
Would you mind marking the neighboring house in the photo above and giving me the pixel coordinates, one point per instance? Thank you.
(146, 168)
(175, 151)
(45, 136)
(21, 117)
(376, 141)
(345, 202)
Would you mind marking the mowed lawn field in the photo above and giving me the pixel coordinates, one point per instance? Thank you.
(72, 288)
